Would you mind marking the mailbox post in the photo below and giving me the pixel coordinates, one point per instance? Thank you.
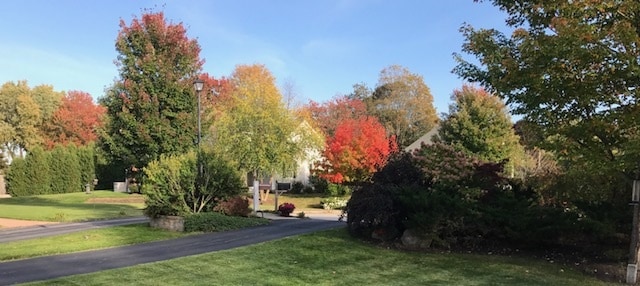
(632, 266)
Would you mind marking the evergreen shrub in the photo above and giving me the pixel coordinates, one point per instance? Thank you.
(213, 221)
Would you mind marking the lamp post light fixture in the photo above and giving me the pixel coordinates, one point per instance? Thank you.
(198, 84)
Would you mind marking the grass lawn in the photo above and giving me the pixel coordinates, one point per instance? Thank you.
(84, 240)
(332, 258)
(303, 202)
(107, 204)
(72, 207)
(112, 237)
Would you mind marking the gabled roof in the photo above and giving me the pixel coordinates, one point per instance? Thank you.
(427, 139)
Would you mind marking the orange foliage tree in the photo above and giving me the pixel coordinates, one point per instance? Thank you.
(75, 121)
(358, 148)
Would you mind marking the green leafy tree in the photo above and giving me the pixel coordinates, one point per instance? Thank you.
(360, 91)
(254, 128)
(151, 107)
(571, 67)
(20, 118)
(403, 103)
(48, 101)
(479, 125)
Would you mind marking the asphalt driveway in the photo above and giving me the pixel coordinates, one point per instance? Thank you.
(21, 233)
(49, 267)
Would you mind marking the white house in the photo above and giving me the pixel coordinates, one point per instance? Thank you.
(427, 139)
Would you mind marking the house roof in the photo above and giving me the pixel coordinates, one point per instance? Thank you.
(427, 139)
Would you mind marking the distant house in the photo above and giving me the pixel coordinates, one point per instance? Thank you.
(427, 139)
(311, 155)
(304, 164)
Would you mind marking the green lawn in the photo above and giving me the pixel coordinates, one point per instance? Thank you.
(84, 240)
(303, 202)
(333, 258)
(111, 237)
(72, 207)
(107, 204)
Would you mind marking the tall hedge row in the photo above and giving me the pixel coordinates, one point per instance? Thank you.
(37, 173)
(64, 169)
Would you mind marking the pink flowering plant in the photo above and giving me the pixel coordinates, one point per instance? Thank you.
(286, 209)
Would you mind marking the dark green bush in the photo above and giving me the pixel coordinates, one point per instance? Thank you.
(401, 169)
(320, 185)
(434, 213)
(167, 181)
(218, 181)
(307, 190)
(213, 221)
(456, 200)
(372, 209)
(172, 185)
(337, 190)
(296, 188)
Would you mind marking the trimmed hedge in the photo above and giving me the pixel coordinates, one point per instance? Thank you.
(212, 221)
(60, 170)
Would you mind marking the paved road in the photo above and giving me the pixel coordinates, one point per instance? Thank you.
(30, 232)
(49, 267)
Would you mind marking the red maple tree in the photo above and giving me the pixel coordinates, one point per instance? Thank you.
(330, 114)
(214, 89)
(358, 148)
(75, 121)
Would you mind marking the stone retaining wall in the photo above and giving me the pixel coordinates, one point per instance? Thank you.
(172, 223)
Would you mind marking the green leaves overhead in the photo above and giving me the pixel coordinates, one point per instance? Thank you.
(403, 103)
(571, 67)
(24, 111)
(254, 128)
(478, 124)
(152, 106)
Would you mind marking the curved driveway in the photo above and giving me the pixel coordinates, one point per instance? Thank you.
(21, 233)
(49, 267)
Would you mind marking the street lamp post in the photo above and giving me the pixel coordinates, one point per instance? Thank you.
(198, 84)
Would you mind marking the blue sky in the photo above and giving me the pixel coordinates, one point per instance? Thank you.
(323, 47)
